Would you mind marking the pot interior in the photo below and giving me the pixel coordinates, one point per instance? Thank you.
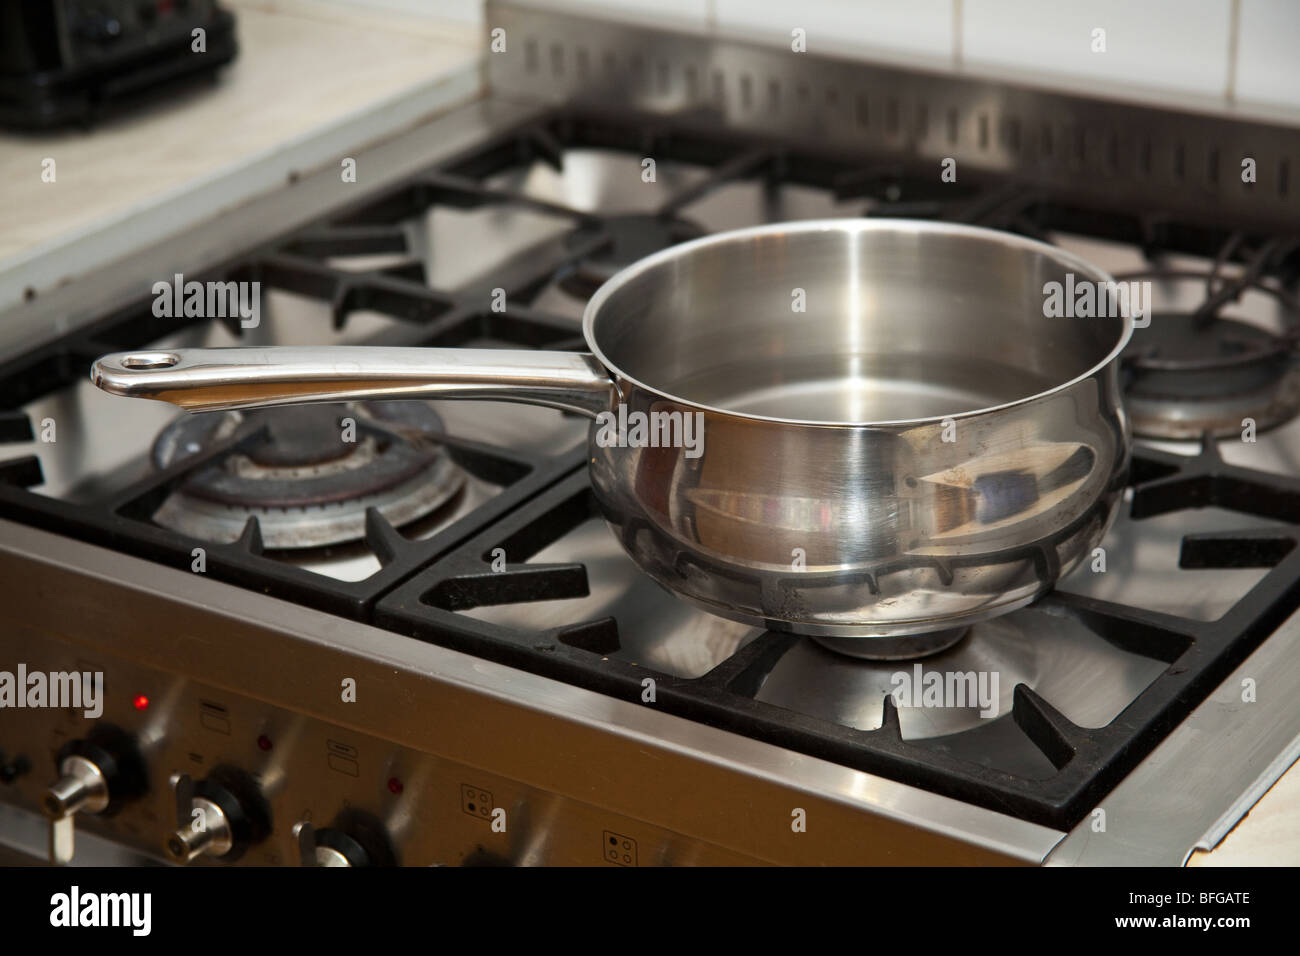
(901, 321)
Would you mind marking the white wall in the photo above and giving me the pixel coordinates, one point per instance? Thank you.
(460, 11)
(1208, 51)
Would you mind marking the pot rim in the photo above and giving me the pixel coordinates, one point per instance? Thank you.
(641, 266)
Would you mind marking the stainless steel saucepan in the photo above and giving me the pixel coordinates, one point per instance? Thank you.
(862, 430)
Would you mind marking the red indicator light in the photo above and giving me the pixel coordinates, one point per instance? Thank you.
(264, 742)
(141, 702)
(394, 785)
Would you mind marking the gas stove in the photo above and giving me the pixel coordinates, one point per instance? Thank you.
(425, 646)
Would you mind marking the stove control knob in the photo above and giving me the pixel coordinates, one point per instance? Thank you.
(356, 839)
(220, 816)
(96, 775)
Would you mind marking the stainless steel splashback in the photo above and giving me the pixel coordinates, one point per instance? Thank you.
(1100, 150)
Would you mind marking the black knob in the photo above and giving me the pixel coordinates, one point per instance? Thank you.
(220, 816)
(116, 759)
(97, 774)
(355, 839)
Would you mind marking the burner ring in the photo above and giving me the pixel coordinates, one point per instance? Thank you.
(1187, 374)
(305, 483)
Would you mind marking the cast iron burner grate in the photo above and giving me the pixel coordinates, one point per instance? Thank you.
(422, 585)
(124, 520)
(1087, 761)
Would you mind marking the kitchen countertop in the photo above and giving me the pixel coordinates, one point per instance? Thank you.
(1269, 833)
(312, 80)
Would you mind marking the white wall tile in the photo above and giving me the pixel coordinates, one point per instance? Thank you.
(459, 11)
(842, 26)
(668, 14)
(1177, 45)
(1268, 52)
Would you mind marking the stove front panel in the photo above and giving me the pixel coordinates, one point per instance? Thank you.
(431, 811)
(388, 740)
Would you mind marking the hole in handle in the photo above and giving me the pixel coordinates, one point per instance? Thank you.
(151, 360)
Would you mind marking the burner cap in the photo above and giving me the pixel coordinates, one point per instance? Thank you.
(632, 236)
(1187, 377)
(903, 648)
(304, 483)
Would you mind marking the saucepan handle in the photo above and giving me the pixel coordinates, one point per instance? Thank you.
(204, 380)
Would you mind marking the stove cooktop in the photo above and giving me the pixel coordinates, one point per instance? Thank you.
(501, 245)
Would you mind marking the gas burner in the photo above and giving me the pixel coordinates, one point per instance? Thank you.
(632, 236)
(1088, 679)
(901, 648)
(306, 485)
(1188, 376)
(1200, 372)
